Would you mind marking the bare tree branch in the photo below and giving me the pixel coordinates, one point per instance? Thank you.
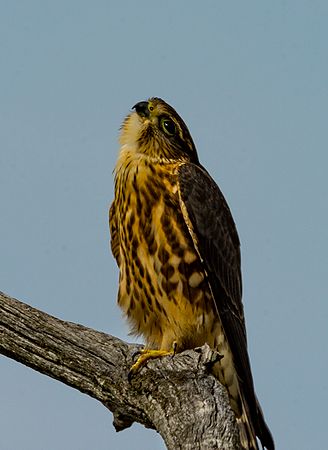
(175, 396)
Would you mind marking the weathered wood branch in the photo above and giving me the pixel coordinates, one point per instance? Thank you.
(175, 396)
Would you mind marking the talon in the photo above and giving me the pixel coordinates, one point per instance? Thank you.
(146, 355)
(174, 348)
(130, 375)
(215, 358)
(136, 352)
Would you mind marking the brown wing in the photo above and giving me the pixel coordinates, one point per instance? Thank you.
(215, 237)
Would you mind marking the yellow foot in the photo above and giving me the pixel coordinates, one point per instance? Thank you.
(147, 354)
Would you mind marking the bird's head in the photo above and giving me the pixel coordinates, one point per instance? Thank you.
(157, 131)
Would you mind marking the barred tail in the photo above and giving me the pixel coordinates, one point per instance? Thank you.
(263, 431)
(244, 403)
(246, 430)
(250, 428)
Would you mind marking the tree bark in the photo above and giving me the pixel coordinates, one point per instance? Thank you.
(177, 396)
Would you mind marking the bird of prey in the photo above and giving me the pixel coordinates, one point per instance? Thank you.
(178, 252)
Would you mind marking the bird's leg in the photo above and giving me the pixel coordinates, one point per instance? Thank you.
(147, 354)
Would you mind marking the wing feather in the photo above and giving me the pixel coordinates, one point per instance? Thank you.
(214, 234)
(215, 237)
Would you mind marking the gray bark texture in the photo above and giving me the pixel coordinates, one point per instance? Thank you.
(176, 396)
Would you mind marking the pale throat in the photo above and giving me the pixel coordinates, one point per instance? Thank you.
(131, 130)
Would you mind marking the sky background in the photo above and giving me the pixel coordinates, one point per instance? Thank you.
(250, 81)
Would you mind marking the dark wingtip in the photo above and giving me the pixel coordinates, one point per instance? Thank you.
(263, 431)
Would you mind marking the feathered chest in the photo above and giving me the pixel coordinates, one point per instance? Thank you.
(147, 205)
(160, 271)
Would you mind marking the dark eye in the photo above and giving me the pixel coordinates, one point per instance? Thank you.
(168, 126)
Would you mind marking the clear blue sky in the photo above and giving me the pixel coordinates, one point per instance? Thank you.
(250, 80)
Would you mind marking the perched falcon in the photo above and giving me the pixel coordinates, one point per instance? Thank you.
(177, 248)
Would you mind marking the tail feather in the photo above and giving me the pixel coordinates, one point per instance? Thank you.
(246, 433)
(245, 405)
(263, 431)
(251, 427)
